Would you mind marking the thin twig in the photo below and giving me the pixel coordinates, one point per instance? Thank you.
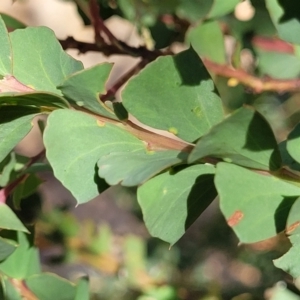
(258, 85)
(21, 286)
(96, 21)
(101, 27)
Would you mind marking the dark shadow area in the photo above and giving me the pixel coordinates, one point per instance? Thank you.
(201, 196)
(257, 132)
(282, 211)
(291, 10)
(295, 133)
(190, 68)
(257, 140)
(293, 119)
(30, 208)
(287, 159)
(100, 182)
(9, 113)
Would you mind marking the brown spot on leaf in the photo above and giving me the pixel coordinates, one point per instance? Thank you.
(235, 218)
(100, 123)
(292, 227)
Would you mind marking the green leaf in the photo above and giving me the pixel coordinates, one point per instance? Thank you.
(195, 10)
(7, 247)
(61, 289)
(287, 65)
(11, 133)
(9, 291)
(287, 262)
(244, 138)
(39, 60)
(24, 189)
(82, 289)
(255, 206)
(5, 50)
(175, 93)
(293, 143)
(280, 292)
(85, 87)
(9, 220)
(287, 159)
(172, 202)
(73, 159)
(208, 41)
(24, 261)
(136, 167)
(7, 167)
(221, 8)
(11, 23)
(286, 18)
(11, 168)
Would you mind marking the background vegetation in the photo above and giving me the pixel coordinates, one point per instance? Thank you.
(175, 130)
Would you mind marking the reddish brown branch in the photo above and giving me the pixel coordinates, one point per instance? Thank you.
(96, 21)
(83, 47)
(258, 85)
(272, 45)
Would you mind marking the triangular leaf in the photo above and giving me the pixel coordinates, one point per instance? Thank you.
(39, 60)
(11, 133)
(7, 247)
(244, 138)
(175, 93)
(221, 8)
(172, 202)
(255, 206)
(194, 10)
(84, 88)
(9, 220)
(208, 40)
(74, 159)
(11, 22)
(24, 261)
(61, 289)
